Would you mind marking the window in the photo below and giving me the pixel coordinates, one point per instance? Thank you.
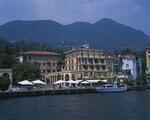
(99, 55)
(48, 63)
(44, 71)
(93, 55)
(91, 74)
(29, 58)
(88, 54)
(86, 74)
(48, 70)
(102, 60)
(103, 67)
(127, 65)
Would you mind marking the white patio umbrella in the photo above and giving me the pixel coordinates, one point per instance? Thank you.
(78, 81)
(25, 82)
(72, 82)
(93, 81)
(59, 82)
(104, 81)
(38, 82)
(85, 82)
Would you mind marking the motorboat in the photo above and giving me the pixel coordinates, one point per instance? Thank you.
(111, 87)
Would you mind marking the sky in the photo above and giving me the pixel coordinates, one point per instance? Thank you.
(134, 13)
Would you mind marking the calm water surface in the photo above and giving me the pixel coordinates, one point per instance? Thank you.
(133, 105)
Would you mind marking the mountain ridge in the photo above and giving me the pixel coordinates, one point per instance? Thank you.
(104, 34)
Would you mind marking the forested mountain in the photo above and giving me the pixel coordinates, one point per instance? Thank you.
(105, 34)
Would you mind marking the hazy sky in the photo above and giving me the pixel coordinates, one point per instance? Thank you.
(135, 13)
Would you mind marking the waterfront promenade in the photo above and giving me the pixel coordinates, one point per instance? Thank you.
(58, 91)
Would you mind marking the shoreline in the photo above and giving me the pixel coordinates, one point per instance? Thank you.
(12, 94)
(46, 92)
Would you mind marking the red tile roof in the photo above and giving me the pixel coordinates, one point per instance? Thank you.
(46, 53)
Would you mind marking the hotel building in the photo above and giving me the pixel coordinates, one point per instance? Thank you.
(48, 62)
(81, 64)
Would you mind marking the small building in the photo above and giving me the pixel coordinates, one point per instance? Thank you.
(131, 66)
(114, 64)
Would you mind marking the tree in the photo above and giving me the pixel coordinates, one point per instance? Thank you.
(25, 71)
(6, 57)
(143, 59)
(128, 51)
(4, 83)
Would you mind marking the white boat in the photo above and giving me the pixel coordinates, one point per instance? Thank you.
(113, 87)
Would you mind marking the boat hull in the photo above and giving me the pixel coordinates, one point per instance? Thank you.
(99, 89)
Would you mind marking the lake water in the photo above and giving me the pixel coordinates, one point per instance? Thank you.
(132, 105)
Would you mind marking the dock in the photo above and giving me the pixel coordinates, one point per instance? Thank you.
(46, 92)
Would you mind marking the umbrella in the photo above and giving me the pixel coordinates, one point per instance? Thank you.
(78, 81)
(72, 82)
(85, 82)
(104, 81)
(59, 82)
(93, 81)
(38, 82)
(25, 82)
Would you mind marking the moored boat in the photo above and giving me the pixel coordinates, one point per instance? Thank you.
(113, 87)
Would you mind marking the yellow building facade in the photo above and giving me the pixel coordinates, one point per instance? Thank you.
(81, 64)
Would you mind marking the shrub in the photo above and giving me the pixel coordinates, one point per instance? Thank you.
(4, 83)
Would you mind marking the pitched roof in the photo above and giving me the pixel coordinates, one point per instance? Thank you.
(45, 53)
(83, 49)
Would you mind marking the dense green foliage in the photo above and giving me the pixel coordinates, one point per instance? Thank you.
(128, 51)
(4, 83)
(25, 46)
(6, 55)
(25, 71)
(3, 44)
(143, 80)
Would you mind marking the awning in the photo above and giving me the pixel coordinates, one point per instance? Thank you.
(38, 82)
(25, 82)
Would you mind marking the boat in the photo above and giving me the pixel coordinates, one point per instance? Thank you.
(112, 87)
